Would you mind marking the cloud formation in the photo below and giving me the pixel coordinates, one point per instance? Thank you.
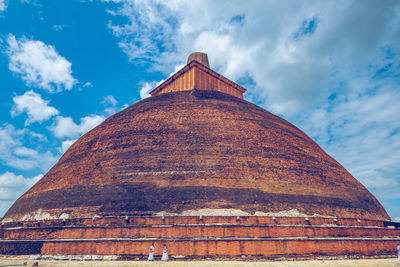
(12, 186)
(32, 103)
(66, 127)
(290, 52)
(3, 5)
(146, 89)
(360, 128)
(39, 64)
(15, 154)
(110, 103)
(109, 100)
(66, 144)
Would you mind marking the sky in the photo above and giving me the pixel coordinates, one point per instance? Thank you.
(332, 68)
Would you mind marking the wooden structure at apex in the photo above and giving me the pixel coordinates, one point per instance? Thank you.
(197, 75)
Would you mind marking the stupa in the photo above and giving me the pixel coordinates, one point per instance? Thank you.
(197, 167)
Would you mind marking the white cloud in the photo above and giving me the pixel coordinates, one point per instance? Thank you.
(3, 5)
(13, 152)
(66, 127)
(146, 89)
(12, 186)
(88, 84)
(291, 65)
(109, 100)
(39, 64)
(141, 45)
(59, 27)
(25, 152)
(66, 144)
(33, 104)
(111, 104)
(89, 122)
(9, 180)
(360, 128)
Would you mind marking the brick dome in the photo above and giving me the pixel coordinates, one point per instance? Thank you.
(191, 150)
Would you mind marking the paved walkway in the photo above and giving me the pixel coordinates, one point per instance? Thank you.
(323, 263)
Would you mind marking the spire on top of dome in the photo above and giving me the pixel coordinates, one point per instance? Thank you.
(199, 57)
(198, 75)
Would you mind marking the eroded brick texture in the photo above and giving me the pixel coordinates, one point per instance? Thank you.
(186, 231)
(193, 150)
(20, 247)
(194, 236)
(225, 248)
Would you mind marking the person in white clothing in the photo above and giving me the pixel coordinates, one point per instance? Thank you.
(164, 253)
(398, 251)
(151, 254)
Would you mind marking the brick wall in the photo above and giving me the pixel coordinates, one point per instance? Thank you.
(225, 247)
(187, 231)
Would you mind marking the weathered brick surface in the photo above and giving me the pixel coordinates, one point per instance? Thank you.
(195, 226)
(197, 149)
(193, 236)
(160, 220)
(224, 247)
(186, 231)
(20, 247)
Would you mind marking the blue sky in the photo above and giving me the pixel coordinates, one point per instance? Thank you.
(331, 68)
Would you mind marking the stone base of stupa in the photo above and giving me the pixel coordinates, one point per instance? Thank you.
(201, 237)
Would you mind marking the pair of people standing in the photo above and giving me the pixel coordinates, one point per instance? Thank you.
(164, 255)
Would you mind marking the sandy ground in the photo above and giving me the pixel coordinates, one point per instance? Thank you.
(340, 263)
